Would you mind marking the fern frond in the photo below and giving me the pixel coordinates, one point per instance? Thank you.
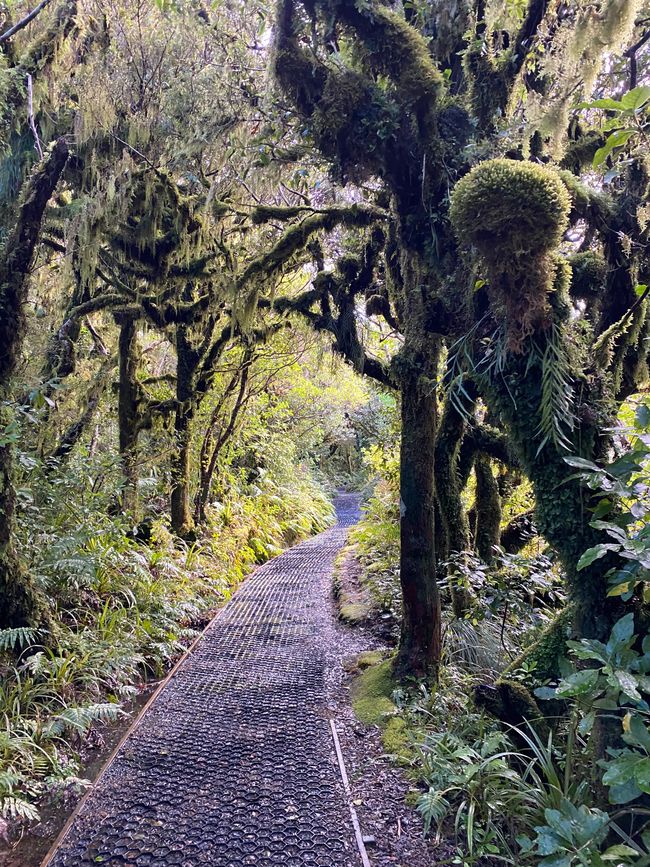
(433, 807)
(81, 719)
(557, 419)
(13, 807)
(20, 636)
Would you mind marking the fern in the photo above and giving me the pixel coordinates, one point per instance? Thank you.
(14, 807)
(557, 419)
(81, 719)
(433, 807)
(21, 636)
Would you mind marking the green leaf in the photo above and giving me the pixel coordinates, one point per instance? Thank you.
(595, 553)
(636, 98)
(627, 683)
(607, 103)
(582, 464)
(618, 851)
(616, 139)
(579, 683)
(622, 631)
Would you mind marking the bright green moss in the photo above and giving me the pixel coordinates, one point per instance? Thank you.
(371, 694)
(515, 214)
(508, 208)
(397, 741)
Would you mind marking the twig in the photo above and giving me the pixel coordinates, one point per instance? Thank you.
(23, 21)
(30, 104)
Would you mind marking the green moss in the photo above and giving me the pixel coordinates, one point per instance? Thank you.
(543, 657)
(371, 694)
(369, 658)
(580, 152)
(589, 275)
(515, 214)
(397, 740)
(509, 208)
(512, 703)
(354, 613)
(489, 85)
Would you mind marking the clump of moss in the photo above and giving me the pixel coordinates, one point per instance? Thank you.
(515, 214)
(372, 694)
(353, 613)
(510, 208)
(589, 275)
(397, 742)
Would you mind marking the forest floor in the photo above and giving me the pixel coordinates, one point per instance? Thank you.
(233, 762)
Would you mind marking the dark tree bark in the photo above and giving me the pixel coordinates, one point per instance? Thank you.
(21, 604)
(129, 411)
(421, 634)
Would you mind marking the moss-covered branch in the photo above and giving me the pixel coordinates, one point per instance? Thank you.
(295, 238)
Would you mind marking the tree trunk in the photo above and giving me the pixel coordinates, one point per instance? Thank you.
(128, 412)
(562, 513)
(211, 448)
(454, 532)
(488, 509)
(76, 430)
(421, 635)
(181, 511)
(21, 603)
(186, 365)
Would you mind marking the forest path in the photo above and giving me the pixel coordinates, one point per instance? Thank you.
(233, 762)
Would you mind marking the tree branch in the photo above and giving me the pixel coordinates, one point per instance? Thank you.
(23, 21)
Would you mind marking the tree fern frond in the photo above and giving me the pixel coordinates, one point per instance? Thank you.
(81, 719)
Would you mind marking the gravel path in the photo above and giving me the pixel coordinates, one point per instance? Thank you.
(233, 764)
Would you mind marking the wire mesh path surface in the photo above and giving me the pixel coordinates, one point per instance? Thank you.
(233, 763)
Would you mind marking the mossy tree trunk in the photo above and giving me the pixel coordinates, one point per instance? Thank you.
(454, 535)
(21, 603)
(488, 509)
(562, 513)
(421, 631)
(129, 399)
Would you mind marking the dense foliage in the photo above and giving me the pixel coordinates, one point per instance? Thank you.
(252, 253)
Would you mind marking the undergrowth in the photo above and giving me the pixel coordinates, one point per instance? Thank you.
(122, 611)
